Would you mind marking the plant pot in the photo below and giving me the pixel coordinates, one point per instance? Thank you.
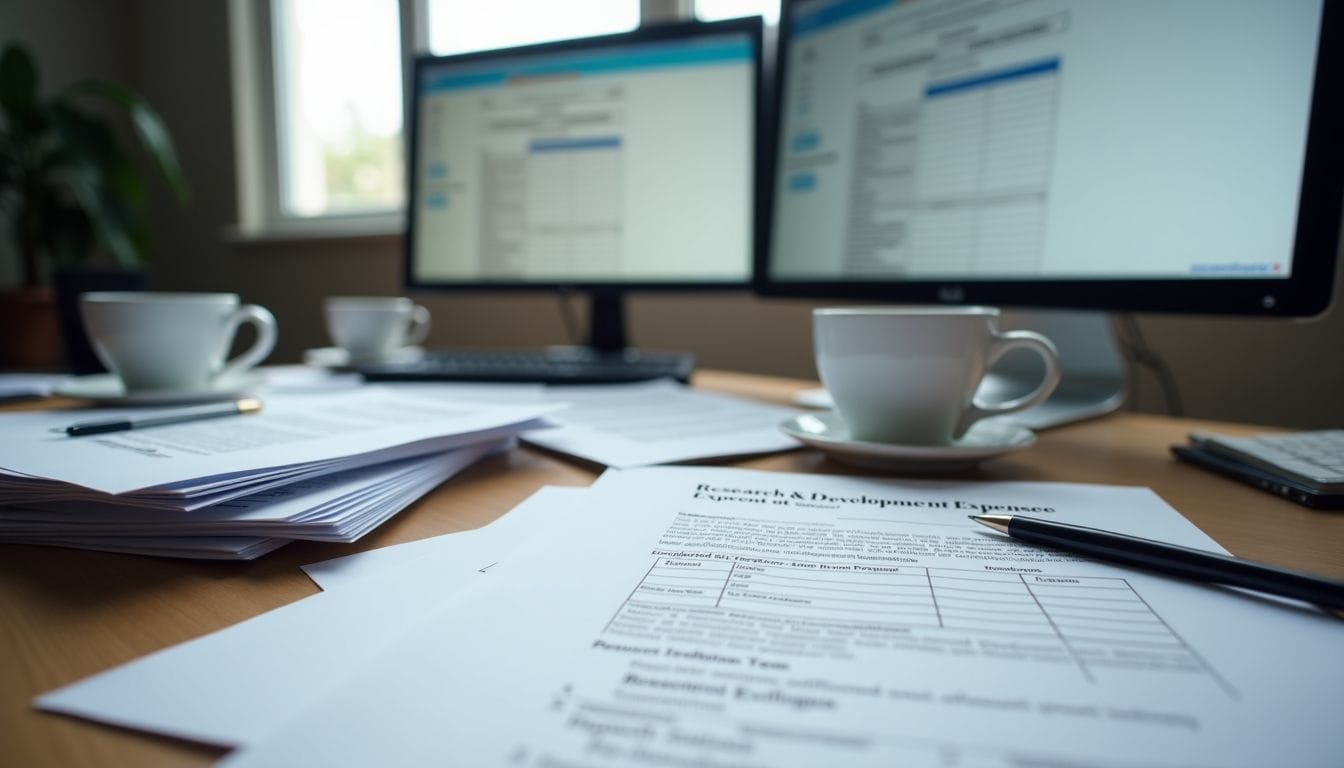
(70, 285)
(30, 336)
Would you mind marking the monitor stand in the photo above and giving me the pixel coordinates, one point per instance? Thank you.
(606, 321)
(608, 346)
(1092, 381)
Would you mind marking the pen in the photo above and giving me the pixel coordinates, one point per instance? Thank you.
(246, 405)
(1171, 559)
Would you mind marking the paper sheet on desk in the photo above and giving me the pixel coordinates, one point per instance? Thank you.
(232, 686)
(714, 616)
(659, 422)
(19, 386)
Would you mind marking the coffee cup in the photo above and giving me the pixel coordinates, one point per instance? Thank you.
(372, 327)
(173, 341)
(908, 375)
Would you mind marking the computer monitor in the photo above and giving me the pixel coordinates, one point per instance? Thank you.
(607, 164)
(1152, 155)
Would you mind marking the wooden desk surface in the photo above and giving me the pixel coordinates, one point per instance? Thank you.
(66, 614)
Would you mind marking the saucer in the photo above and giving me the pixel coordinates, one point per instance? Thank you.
(107, 389)
(984, 440)
(339, 357)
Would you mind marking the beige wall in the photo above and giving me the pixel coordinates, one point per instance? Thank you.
(1272, 372)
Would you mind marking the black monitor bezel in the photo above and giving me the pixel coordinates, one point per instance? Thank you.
(1315, 252)
(751, 25)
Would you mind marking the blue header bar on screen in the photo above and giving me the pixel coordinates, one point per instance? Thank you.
(810, 20)
(661, 55)
(574, 144)
(985, 79)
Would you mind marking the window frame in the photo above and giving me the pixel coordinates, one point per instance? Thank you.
(261, 214)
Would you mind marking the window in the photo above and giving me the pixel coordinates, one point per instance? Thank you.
(713, 10)
(338, 106)
(320, 86)
(457, 26)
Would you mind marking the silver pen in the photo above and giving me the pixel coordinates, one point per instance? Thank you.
(181, 415)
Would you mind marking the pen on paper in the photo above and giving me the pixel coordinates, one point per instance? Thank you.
(1171, 559)
(238, 407)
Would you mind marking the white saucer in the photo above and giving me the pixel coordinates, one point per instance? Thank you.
(107, 389)
(984, 440)
(339, 357)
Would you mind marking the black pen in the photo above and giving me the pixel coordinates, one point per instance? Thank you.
(1171, 559)
(246, 405)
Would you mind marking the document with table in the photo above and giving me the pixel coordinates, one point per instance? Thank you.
(730, 617)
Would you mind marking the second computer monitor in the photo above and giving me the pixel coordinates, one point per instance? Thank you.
(1178, 156)
(610, 163)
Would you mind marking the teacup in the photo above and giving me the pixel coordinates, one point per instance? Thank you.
(173, 341)
(908, 375)
(372, 327)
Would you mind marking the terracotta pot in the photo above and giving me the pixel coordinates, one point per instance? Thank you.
(30, 330)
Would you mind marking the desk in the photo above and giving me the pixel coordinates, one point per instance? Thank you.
(66, 614)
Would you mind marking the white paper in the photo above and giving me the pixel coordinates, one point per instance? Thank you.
(537, 513)
(291, 430)
(328, 508)
(700, 616)
(16, 386)
(192, 547)
(233, 686)
(659, 422)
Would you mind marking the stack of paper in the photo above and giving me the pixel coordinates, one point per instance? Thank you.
(325, 467)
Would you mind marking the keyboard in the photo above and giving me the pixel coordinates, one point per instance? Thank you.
(1314, 457)
(551, 365)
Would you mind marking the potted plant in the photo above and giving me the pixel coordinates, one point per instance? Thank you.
(70, 191)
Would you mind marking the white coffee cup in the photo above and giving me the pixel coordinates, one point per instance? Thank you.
(173, 341)
(908, 375)
(371, 327)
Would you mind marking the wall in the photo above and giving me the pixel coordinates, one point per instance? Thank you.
(1271, 372)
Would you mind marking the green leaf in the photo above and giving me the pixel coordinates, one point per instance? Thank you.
(109, 220)
(149, 128)
(90, 140)
(18, 86)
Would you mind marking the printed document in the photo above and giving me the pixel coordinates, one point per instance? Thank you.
(721, 617)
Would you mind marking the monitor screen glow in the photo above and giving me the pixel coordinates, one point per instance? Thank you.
(626, 161)
(1054, 153)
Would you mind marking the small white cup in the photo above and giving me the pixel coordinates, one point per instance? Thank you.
(372, 327)
(908, 375)
(173, 341)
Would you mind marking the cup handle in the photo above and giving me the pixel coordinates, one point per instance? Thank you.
(1000, 345)
(261, 319)
(419, 328)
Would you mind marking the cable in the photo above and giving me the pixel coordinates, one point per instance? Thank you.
(568, 317)
(1136, 349)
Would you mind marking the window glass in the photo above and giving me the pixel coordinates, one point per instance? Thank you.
(338, 86)
(338, 106)
(713, 10)
(456, 26)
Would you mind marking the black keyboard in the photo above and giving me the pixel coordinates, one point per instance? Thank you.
(553, 365)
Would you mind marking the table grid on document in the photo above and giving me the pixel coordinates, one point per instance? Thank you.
(1100, 622)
